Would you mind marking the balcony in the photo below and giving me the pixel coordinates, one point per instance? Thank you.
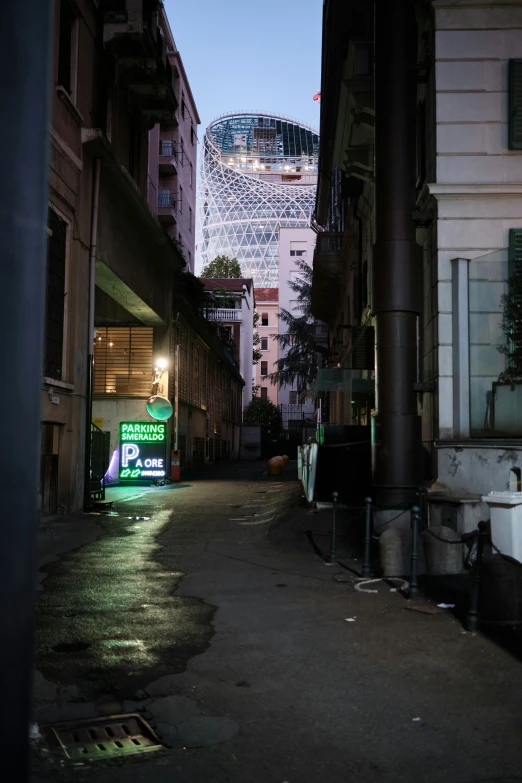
(168, 161)
(167, 207)
(321, 333)
(328, 264)
(224, 314)
(132, 35)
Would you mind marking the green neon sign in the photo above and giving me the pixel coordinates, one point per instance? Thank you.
(139, 432)
(142, 450)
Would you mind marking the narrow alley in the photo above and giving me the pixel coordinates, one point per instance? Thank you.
(203, 607)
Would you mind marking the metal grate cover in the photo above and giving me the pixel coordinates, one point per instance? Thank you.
(118, 735)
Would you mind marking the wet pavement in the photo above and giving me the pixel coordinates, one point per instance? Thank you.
(255, 661)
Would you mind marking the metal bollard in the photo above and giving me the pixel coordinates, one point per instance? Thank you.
(367, 568)
(414, 586)
(472, 617)
(335, 498)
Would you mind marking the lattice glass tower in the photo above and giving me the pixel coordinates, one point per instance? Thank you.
(257, 173)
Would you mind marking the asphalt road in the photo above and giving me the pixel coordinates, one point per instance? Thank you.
(306, 679)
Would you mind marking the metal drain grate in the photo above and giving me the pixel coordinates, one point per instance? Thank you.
(118, 735)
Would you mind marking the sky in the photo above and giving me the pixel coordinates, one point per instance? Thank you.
(261, 56)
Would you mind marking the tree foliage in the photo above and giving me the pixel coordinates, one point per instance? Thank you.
(512, 324)
(297, 340)
(222, 266)
(263, 412)
(256, 340)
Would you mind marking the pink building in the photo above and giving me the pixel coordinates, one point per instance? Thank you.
(172, 162)
(267, 307)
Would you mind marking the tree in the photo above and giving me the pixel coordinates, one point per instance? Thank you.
(263, 412)
(222, 266)
(256, 340)
(299, 364)
(512, 324)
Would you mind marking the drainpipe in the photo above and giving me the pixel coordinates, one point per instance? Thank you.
(90, 330)
(396, 435)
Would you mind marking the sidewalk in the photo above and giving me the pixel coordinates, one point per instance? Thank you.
(302, 678)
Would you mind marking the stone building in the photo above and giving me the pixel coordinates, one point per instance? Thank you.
(114, 274)
(449, 181)
(232, 312)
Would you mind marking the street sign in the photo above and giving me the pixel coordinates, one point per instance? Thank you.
(142, 450)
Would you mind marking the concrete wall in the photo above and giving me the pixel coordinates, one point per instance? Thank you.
(70, 196)
(478, 189)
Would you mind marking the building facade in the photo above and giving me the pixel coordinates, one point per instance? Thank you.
(173, 156)
(232, 312)
(257, 173)
(116, 270)
(452, 379)
(267, 309)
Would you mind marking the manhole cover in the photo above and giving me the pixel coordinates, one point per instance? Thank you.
(71, 647)
(97, 739)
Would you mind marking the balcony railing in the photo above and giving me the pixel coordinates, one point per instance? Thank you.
(167, 199)
(224, 314)
(167, 148)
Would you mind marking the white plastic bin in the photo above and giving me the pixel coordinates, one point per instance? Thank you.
(506, 522)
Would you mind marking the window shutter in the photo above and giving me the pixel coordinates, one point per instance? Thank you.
(363, 348)
(515, 248)
(515, 105)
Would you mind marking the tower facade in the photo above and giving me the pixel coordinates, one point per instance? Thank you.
(258, 173)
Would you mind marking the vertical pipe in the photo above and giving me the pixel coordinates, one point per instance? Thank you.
(25, 62)
(367, 568)
(90, 330)
(396, 435)
(414, 585)
(335, 498)
(473, 618)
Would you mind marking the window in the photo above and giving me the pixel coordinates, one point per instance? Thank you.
(192, 135)
(68, 49)
(123, 361)
(190, 219)
(515, 105)
(264, 343)
(292, 398)
(191, 174)
(183, 108)
(180, 205)
(264, 369)
(298, 249)
(264, 393)
(264, 319)
(55, 297)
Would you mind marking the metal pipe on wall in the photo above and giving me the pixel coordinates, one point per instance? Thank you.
(25, 61)
(396, 436)
(90, 328)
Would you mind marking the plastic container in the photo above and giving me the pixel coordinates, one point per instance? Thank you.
(506, 522)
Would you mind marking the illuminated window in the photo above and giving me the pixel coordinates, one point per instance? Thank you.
(123, 361)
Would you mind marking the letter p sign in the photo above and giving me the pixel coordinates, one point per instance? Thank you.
(130, 451)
